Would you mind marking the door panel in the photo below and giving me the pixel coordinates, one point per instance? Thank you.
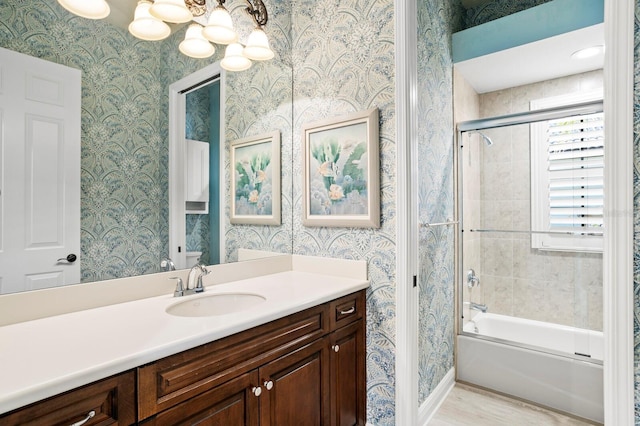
(39, 173)
(299, 392)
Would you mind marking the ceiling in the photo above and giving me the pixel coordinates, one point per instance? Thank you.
(533, 62)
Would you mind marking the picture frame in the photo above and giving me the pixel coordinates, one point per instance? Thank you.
(255, 180)
(341, 171)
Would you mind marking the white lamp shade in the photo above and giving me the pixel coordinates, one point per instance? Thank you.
(147, 27)
(194, 44)
(234, 60)
(171, 11)
(92, 9)
(257, 47)
(219, 28)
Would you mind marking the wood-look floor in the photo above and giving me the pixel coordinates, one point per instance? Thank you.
(467, 405)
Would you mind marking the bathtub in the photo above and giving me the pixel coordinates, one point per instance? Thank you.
(552, 365)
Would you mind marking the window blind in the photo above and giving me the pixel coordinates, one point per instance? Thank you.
(575, 157)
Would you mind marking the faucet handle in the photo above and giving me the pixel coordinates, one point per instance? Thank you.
(199, 288)
(179, 287)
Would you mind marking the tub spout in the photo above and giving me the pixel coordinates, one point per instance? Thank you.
(479, 307)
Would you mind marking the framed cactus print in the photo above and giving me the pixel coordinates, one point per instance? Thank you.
(255, 181)
(341, 171)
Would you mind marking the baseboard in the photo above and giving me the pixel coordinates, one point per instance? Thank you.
(437, 397)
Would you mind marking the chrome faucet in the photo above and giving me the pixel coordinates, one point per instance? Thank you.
(195, 274)
(167, 264)
(478, 307)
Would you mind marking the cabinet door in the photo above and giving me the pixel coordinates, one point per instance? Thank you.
(108, 402)
(348, 386)
(235, 403)
(295, 388)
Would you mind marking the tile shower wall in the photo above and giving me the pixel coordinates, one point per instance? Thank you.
(343, 61)
(516, 279)
(437, 20)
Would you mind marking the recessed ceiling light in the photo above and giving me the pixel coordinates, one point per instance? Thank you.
(588, 52)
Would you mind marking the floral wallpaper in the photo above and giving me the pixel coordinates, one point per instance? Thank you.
(124, 157)
(343, 62)
(198, 127)
(258, 101)
(496, 9)
(636, 209)
(437, 20)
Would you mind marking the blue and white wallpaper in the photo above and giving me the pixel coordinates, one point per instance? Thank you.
(258, 101)
(437, 20)
(636, 208)
(122, 181)
(496, 9)
(343, 62)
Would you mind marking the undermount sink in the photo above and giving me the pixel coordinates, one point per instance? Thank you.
(215, 304)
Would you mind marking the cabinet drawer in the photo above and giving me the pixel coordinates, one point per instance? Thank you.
(179, 377)
(112, 401)
(347, 309)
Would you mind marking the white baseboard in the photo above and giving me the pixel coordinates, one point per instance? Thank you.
(437, 397)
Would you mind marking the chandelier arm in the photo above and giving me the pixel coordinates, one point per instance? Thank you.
(197, 7)
(258, 12)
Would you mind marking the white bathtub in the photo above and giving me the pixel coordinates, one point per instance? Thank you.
(533, 367)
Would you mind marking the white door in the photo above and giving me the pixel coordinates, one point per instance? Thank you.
(39, 173)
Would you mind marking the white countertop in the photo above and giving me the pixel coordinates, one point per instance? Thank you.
(44, 357)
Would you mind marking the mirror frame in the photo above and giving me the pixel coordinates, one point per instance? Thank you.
(177, 181)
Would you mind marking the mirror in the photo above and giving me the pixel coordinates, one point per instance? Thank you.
(124, 221)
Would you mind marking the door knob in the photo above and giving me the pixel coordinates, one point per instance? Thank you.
(257, 390)
(268, 384)
(336, 348)
(70, 258)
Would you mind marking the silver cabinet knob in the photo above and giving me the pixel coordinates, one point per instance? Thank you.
(268, 384)
(257, 390)
(91, 414)
(335, 348)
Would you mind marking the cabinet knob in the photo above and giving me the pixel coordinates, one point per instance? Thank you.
(257, 390)
(268, 385)
(348, 311)
(335, 348)
(91, 414)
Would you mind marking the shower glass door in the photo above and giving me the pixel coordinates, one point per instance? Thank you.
(530, 190)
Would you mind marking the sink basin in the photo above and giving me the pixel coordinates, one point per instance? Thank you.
(215, 304)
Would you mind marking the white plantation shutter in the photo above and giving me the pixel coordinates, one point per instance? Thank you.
(568, 182)
(576, 167)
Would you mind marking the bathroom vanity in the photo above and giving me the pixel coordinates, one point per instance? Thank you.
(296, 358)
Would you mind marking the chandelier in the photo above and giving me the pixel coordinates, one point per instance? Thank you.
(150, 23)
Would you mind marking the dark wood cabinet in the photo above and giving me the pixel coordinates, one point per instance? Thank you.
(234, 403)
(107, 402)
(348, 381)
(306, 369)
(296, 388)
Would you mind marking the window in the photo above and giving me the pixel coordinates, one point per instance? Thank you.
(567, 177)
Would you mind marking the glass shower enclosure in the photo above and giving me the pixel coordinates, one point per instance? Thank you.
(529, 243)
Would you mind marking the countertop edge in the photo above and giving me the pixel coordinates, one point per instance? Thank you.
(44, 390)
